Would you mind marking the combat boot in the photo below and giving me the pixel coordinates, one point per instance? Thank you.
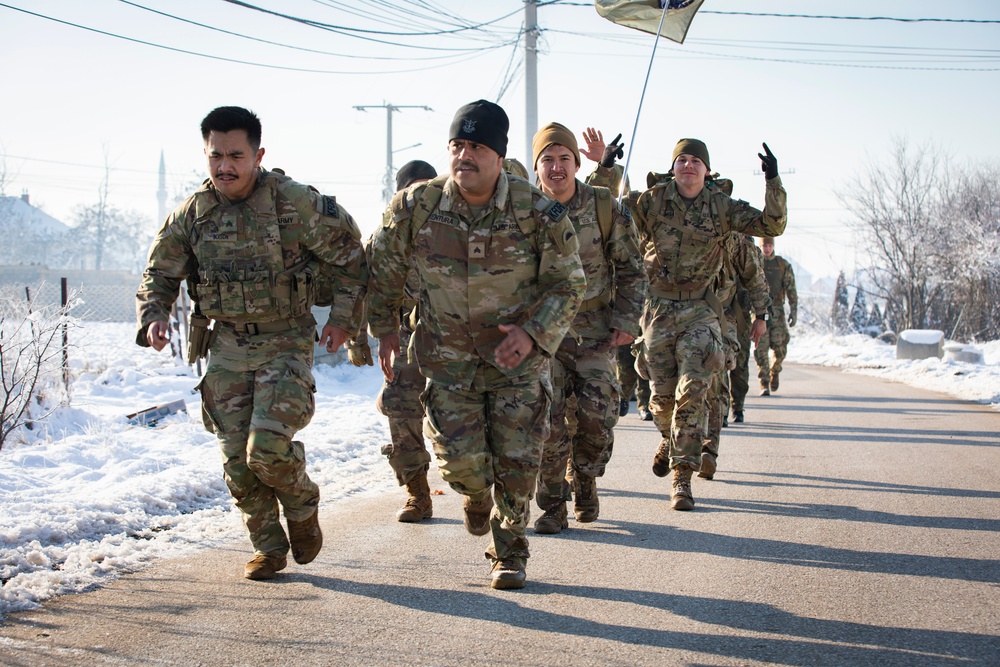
(774, 382)
(508, 574)
(707, 465)
(765, 388)
(264, 567)
(661, 460)
(477, 514)
(738, 416)
(306, 538)
(586, 505)
(680, 491)
(645, 415)
(418, 505)
(554, 521)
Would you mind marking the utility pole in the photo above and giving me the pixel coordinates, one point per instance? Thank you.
(388, 182)
(530, 80)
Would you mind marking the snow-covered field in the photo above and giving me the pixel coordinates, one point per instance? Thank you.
(88, 497)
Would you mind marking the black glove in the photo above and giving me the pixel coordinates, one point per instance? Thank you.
(768, 163)
(612, 151)
(791, 318)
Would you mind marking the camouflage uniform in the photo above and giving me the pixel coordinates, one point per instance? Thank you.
(781, 279)
(682, 340)
(584, 365)
(256, 267)
(740, 269)
(629, 380)
(739, 377)
(509, 264)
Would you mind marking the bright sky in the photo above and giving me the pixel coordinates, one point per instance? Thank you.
(826, 94)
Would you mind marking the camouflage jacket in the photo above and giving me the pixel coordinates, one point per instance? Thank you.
(616, 285)
(781, 279)
(683, 245)
(744, 270)
(513, 264)
(266, 258)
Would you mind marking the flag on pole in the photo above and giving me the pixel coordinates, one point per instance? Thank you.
(646, 15)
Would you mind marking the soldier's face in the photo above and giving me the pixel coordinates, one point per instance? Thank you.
(232, 163)
(768, 248)
(556, 169)
(689, 172)
(474, 167)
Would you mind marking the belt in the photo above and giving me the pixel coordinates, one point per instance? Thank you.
(677, 295)
(273, 326)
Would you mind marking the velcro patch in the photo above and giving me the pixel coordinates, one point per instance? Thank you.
(555, 211)
(330, 207)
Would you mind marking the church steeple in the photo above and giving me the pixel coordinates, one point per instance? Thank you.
(161, 194)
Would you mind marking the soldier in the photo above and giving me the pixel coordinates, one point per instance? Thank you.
(256, 249)
(683, 220)
(781, 279)
(610, 175)
(584, 365)
(739, 377)
(399, 400)
(500, 282)
(740, 268)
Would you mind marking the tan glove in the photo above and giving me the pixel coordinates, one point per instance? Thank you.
(359, 353)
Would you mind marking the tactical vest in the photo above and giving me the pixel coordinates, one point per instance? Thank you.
(774, 271)
(242, 272)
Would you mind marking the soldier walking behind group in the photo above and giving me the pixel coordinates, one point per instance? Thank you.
(257, 250)
(584, 365)
(781, 279)
(739, 377)
(500, 282)
(399, 399)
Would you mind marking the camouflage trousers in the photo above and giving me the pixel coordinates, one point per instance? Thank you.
(586, 372)
(739, 377)
(256, 394)
(682, 348)
(399, 400)
(629, 380)
(491, 435)
(775, 339)
(718, 388)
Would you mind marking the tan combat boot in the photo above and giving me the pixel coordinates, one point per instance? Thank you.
(264, 567)
(418, 505)
(508, 574)
(586, 504)
(306, 538)
(554, 521)
(707, 465)
(765, 389)
(680, 492)
(661, 459)
(477, 514)
(774, 381)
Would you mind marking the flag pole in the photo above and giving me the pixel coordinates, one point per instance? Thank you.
(642, 97)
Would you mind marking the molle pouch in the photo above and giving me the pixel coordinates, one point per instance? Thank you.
(209, 299)
(294, 293)
(199, 337)
(257, 296)
(231, 296)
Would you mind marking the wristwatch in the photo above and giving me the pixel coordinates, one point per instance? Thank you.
(765, 316)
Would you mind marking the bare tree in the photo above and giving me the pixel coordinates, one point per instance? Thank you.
(30, 363)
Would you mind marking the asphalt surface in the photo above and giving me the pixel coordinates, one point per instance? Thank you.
(852, 522)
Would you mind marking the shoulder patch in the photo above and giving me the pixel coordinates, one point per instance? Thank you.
(555, 210)
(330, 208)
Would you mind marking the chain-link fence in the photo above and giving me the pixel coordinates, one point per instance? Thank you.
(100, 296)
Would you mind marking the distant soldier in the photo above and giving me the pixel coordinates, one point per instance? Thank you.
(739, 377)
(781, 279)
(257, 249)
(399, 399)
(741, 267)
(683, 221)
(584, 365)
(500, 282)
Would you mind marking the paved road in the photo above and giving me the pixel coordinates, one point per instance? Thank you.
(852, 522)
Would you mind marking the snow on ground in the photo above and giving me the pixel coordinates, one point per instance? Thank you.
(88, 497)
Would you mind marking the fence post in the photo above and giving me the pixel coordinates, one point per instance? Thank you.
(64, 284)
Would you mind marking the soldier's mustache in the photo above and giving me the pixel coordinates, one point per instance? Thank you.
(468, 165)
